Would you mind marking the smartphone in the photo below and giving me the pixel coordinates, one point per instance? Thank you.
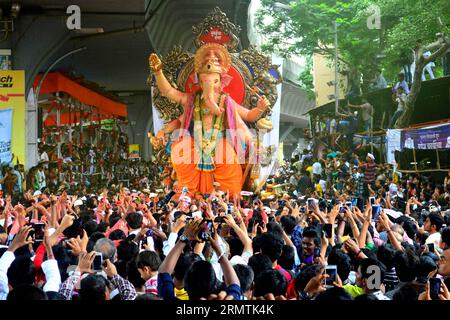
(328, 229)
(331, 271)
(355, 201)
(206, 231)
(430, 247)
(302, 209)
(281, 202)
(341, 209)
(435, 288)
(143, 242)
(319, 229)
(376, 209)
(310, 203)
(98, 261)
(349, 204)
(317, 252)
(372, 200)
(230, 209)
(38, 231)
(147, 241)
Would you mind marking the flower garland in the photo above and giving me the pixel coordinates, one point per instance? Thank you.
(205, 144)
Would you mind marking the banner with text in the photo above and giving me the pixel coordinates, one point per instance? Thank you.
(5, 134)
(428, 138)
(133, 151)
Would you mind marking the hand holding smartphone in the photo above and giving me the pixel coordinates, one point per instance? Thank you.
(328, 230)
(98, 261)
(331, 271)
(376, 209)
(435, 288)
(38, 231)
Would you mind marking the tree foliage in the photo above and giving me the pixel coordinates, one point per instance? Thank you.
(306, 27)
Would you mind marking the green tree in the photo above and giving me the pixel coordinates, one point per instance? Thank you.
(305, 27)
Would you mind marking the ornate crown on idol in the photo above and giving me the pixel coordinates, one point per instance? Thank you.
(212, 58)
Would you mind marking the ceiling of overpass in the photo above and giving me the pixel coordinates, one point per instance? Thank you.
(87, 5)
(119, 62)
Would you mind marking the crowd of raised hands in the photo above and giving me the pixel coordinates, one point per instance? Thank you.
(142, 245)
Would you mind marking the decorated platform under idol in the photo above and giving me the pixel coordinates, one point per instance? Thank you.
(211, 136)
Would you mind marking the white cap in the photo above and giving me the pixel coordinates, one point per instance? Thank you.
(37, 193)
(152, 195)
(78, 202)
(371, 156)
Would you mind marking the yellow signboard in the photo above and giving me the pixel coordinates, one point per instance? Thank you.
(133, 151)
(12, 96)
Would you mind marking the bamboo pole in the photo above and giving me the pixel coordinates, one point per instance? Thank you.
(437, 158)
(426, 170)
(415, 160)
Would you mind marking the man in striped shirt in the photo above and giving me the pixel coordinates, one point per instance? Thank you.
(370, 173)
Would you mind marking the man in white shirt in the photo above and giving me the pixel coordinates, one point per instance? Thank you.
(401, 106)
(432, 225)
(370, 277)
(378, 81)
(49, 266)
(43, 158)
(429, 67)
(40, 177)
(293, 180)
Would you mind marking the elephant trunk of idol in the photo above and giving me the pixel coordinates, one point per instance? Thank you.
(209, 97)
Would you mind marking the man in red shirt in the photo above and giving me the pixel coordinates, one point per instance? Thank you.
(370, 173)
(257, 206)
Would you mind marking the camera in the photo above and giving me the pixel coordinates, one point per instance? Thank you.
(162, 204)
(219, 219)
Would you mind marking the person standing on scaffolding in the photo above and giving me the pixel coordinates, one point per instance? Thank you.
(367, 112)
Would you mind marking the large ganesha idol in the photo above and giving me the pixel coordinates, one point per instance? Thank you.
(211, 134)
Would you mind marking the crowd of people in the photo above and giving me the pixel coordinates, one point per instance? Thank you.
(344, 229)
(52, 177)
